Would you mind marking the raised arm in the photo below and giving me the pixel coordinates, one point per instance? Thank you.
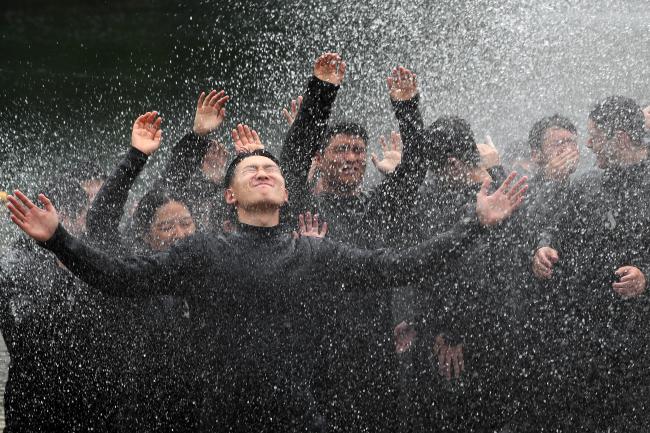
(307, 130)
(163, 273)
(105, 213)
(398, 189)
(389, 268)
(186, 157)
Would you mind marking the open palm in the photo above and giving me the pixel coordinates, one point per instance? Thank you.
(210, 112)
(146, 133)
(402, 84)
(330, 67)
(494, 208)
(40, 224)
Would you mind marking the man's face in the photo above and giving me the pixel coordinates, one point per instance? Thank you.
(558, 141)
(343, 162)
(257, 183)
(172, 222)
(603, 147)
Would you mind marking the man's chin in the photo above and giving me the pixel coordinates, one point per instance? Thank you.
(349, 182)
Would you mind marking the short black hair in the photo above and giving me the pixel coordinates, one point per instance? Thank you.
(537, 132)
(619, 113)
(230, 172)
(453, 137)
(67, 195)
(346, 128)
(148, 206)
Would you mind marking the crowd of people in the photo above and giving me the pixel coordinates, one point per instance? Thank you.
(252, 292)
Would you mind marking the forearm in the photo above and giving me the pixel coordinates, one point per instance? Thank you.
(131, 276)
(408, 118)
(106, 211)
(307, 131)
(428, 257)
(386, 268)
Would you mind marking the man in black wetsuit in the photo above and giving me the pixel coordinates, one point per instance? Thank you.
(593, 260)
(262, 290)
(54, 327)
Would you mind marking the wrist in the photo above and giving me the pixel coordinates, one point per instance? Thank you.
(200, 132)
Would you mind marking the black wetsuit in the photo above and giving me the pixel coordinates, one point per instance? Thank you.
(591, 372)
(264, 296)
(60, 376)
(360, 365)
(153, 338)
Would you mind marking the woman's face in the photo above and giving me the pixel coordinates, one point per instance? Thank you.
(171, 223)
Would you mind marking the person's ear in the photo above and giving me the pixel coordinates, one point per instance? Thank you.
(536, 157)
(623, 141)
(286, 195)
(229, 195)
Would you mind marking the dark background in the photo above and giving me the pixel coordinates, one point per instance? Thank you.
(75, 74)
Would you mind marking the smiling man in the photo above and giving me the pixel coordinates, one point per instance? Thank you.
(593, 258)
(259, 290)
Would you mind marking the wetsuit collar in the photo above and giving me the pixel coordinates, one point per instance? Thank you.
(260, 232)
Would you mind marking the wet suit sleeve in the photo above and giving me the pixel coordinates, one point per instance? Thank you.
(304, 139)
(398, 190)
(185, 159)
(166, 273)
(105, 213)
(387, 268)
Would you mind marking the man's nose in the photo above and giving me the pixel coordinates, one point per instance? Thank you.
(262, 174)
(351, 155)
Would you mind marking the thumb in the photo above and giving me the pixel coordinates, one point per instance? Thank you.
(46, 202)
(622, 271)
(553, 256)
(484, 187)
(374, 159)
(294, 235)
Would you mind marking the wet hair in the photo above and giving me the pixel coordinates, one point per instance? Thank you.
(67, 196)
(346, 128)
(230, 172)
(537, 132)
(148, 206)
(454, 139)
(618, 113)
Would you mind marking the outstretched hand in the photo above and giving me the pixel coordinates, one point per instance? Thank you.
(146, 133)
(494, 208)
(402, 84)
(309, 227)
(295, 108)
(210, 112)
(39, 224)
(246, 139)
(392, 154)
(330, 67)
